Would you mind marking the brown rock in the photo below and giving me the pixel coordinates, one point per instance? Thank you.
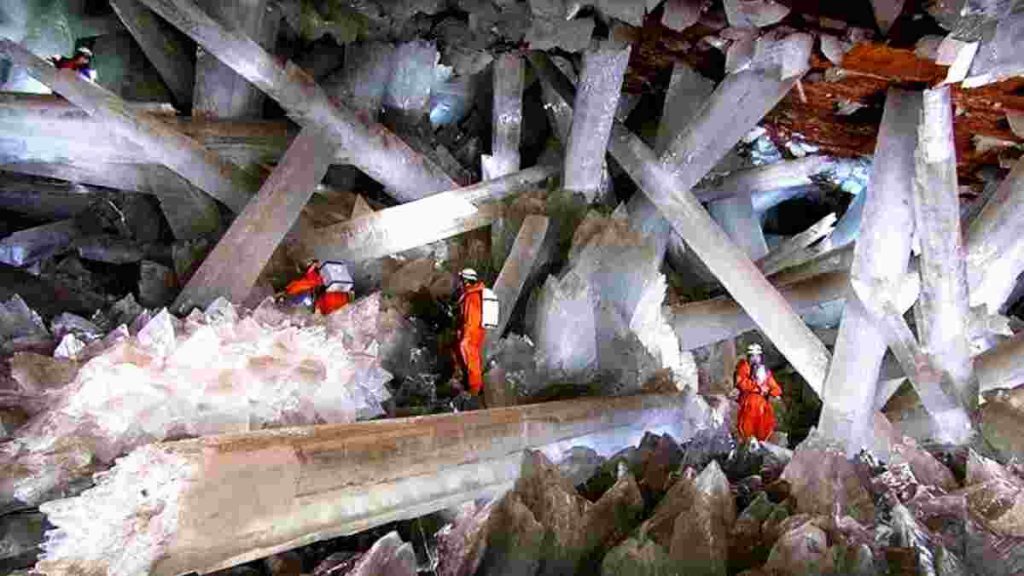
(284, 564)
(821, 477)
(699, 537)
(389, 556)
(560, 510)
(612, 518)
(37, 373)
(461, 544)
(995, 496)
(926, 468)
(514, 540)
(10, 420)
(746, 546)
(803, 550)
(663, 460)
(639, 557)
(680, 497)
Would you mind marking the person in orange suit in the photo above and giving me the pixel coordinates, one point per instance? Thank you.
(309, 282)
(471, 332)
(81, 62)
(756, 384)
(311, 285)
(329, 301)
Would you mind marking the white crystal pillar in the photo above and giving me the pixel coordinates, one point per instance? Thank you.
(881, 253)
(371, 147)
(593, 113)
(944, 309)
(995, 243)
(508, 117)
(670, 192)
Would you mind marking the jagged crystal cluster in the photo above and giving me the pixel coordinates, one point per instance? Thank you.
(222, 370)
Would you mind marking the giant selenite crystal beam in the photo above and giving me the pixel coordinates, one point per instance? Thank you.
(190, 213)
(420, 222)
(508, 117)
(208, 172)
(517, 268)
(944, 308)
(761, 179)
(698, 324)
(50, 129)
(935, 389)
(995, 242)
(210, 503)
(371, 147)
(881, 254)
(219, 91)
(168, 52)
(737, 105)
(687, 91)
(593, 113)
(231, 269)
(777, 259)
(670, 192)
(737, 218)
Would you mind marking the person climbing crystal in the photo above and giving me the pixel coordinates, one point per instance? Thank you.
(756, 385)
(471, 331)
(81, 62)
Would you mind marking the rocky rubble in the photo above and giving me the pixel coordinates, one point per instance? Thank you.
(840, 517)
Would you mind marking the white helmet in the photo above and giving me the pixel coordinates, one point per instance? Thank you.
(754, 350)
(468, 274)
(84, 51)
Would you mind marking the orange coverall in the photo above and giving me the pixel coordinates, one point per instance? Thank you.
(471, 336)
(311, 281)
(756, 417)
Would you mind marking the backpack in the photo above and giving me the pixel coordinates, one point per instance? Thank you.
(491, 312)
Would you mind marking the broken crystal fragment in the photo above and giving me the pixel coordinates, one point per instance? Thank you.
(67, 323)
(28, 246)
(412, 76)
(571, 36)
(629, 11)
(17, 321)
(998, 57)
(681, 14)
(886, 13)
(110, 250)
(754, 13)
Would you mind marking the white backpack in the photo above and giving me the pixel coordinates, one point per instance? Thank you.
(491, 309)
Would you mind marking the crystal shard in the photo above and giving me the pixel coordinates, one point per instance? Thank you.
(28, 246)
(699, 537)
(412, 76)
(754, 13)
(821, 478)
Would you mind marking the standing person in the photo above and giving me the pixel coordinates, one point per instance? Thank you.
(471, 331)
(81, 62)
(756, 384)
